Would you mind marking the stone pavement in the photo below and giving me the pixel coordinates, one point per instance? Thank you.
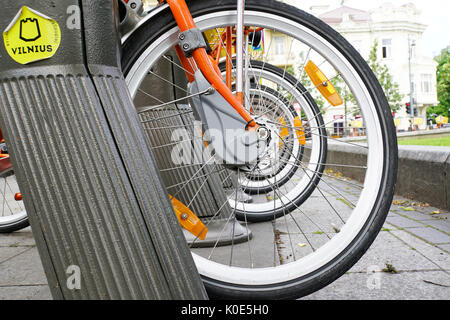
(410, 259)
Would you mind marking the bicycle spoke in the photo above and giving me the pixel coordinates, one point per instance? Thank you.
(177, 65)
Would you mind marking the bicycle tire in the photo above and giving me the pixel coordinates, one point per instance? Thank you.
(16, 219)
(309, 189)
(332, 269)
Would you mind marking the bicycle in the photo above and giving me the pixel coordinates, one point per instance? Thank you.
(279, 175)
(13, 216)
(346, 235)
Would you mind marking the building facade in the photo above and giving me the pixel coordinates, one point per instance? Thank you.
(398, 31)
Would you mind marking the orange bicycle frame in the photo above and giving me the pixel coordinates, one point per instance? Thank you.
(206, 64)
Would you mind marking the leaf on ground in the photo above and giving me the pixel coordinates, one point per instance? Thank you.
(301, 245)
(335, 228)
(436, 212)
(407, 208)
(400, 202)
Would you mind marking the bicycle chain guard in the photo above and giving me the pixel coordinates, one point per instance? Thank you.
(224, 129)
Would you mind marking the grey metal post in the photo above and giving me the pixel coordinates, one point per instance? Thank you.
(411, 44)
(97, 207)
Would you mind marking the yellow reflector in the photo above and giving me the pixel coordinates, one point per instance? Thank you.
(322, 83)
(188, 219)
(299, 131)
(284, 132)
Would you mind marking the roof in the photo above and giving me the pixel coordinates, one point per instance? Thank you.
(337, 15)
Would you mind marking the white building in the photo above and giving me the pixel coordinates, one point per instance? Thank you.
(395, 28)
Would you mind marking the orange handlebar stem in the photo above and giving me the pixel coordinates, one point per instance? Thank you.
(185, 22)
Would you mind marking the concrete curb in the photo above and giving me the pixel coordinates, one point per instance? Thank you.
(423, 172)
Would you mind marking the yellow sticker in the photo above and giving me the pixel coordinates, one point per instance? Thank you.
(31, 36)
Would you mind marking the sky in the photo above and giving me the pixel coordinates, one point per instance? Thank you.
(435, 14)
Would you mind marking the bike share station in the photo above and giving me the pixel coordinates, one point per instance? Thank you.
(94, 197)
(165, 158)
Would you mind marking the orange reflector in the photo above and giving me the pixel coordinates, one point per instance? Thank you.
(18, 197)
(322, 83)
(284, 132)
(299, 131)
(188, 219)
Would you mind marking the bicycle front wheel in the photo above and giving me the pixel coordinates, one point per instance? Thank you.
(316, 240)
(13, 216)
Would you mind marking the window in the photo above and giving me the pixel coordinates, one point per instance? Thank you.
(338, 129)
(278, 43)
(426, 83)
(387, 48)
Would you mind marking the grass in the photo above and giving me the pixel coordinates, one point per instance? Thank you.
(423, 141)
(390, 268)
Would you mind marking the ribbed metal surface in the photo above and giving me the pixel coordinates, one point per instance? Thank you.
(92, 191)
(194, 180)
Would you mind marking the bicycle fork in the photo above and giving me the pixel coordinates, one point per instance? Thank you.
(203, 61)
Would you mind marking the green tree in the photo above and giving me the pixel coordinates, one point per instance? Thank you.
(350, 104)
(303, 78)
(443, 83)
(439, 110)
(390, 88)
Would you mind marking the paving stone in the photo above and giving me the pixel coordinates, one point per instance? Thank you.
(403, 222)
(295, 246)
(261, 247)
(39, 292)
(445, 247)
(25, 269)
(387, 249)
(431, 235)
(424, 271)
(442, 225)
(7, 253)
(429, 211)
(308, 223)
(22, 238)
(414, 215)
(432, 252)
(432, 285)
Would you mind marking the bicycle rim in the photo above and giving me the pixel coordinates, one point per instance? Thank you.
(339, 237)
(12, 212)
